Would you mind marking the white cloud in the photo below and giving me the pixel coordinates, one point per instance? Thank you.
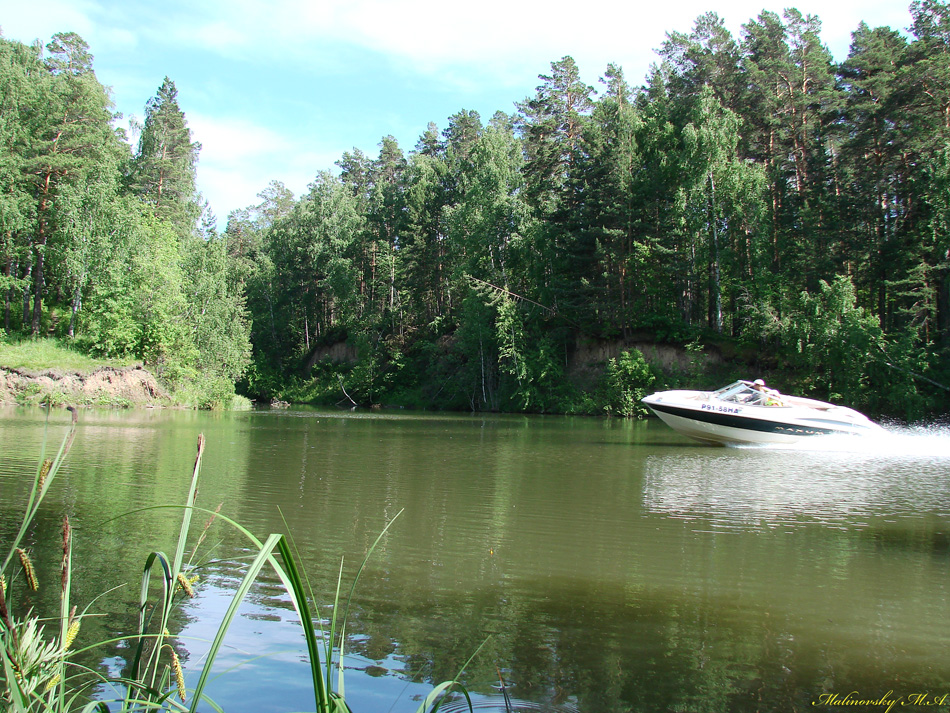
(494, 42)
(239, 158)
(22, 21)
(228, 140)
(222, 36)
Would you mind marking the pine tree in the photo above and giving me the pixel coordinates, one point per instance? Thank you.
(163, 168)
(707, 57)
(609, 240)
(873, 158)
(552, 125)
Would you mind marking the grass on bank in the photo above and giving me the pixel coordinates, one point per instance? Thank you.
(37, 666)
(53, 355)
(47, 353)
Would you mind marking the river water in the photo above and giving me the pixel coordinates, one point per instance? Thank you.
(606, 565)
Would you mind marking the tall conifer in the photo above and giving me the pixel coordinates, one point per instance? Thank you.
(163, 169)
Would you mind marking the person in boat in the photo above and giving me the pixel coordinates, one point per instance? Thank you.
(770, 397)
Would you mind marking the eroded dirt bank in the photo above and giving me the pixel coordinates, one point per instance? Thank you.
(105, 386)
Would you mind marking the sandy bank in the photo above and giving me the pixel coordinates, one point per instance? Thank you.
(105, 386)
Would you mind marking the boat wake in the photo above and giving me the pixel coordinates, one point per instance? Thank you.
(837, 480)
(897, 441)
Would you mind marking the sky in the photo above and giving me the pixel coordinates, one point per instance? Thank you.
(279, 90)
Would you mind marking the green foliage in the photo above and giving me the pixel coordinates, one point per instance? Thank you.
(163, 169)
(530, 356)
(98, 246)
(841, 351)
(627, 379)
(746, 171)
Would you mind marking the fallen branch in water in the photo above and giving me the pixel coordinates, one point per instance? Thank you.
(343, 389)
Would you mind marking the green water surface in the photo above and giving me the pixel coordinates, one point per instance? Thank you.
(612, 565)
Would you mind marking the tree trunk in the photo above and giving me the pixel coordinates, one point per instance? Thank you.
(40, 247)
(8, 296)
(77, 304)
(715, 299)
(27, 272)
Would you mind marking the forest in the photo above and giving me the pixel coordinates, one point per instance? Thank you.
(752, 197)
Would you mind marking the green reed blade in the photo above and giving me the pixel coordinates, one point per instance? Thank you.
(331, 636)
(306, 621)
(144, 620)
(189, 504)
(20, 701)
(99, 706)
(349, 598)
(447, 685)
(278, 569)
(327, 651)
(437, 697)
(262, 558)
(64, 607)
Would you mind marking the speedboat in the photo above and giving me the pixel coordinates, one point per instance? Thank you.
(749, 412)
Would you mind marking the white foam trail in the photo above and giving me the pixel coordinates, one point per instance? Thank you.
(894, 441)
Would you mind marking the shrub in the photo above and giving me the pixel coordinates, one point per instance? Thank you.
(627, 379)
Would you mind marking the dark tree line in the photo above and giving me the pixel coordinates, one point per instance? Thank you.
(752, 191)
(752, 194)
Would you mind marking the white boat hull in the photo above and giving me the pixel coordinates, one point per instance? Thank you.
(705, 417)
(717, 433)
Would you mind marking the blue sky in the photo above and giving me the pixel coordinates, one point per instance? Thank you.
(278, 90)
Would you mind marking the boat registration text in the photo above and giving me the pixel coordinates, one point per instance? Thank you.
(720, 408)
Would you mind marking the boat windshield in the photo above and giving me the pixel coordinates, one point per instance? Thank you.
(745, 392)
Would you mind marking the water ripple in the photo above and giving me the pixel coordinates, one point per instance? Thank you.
(497, 704)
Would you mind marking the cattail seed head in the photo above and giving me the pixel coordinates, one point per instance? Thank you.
(179, 676)
(185, 584)
(44, 471)
(4, 615)
(71, 633)
(28, 569)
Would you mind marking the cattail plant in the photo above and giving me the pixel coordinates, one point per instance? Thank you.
(28, 570)
(35, 666)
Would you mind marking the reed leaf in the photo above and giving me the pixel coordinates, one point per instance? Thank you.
(186, 515)
(306, 580)
(330, 638)
(262, 558)
(437, 697)
(66, 612)
(17, 694)
(145, 615)
(306, 621)
(95, 706)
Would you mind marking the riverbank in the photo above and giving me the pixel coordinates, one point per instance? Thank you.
(49, 371)
(103, 386)
(45, 370)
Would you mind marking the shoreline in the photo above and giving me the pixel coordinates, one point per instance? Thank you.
(110, 386)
